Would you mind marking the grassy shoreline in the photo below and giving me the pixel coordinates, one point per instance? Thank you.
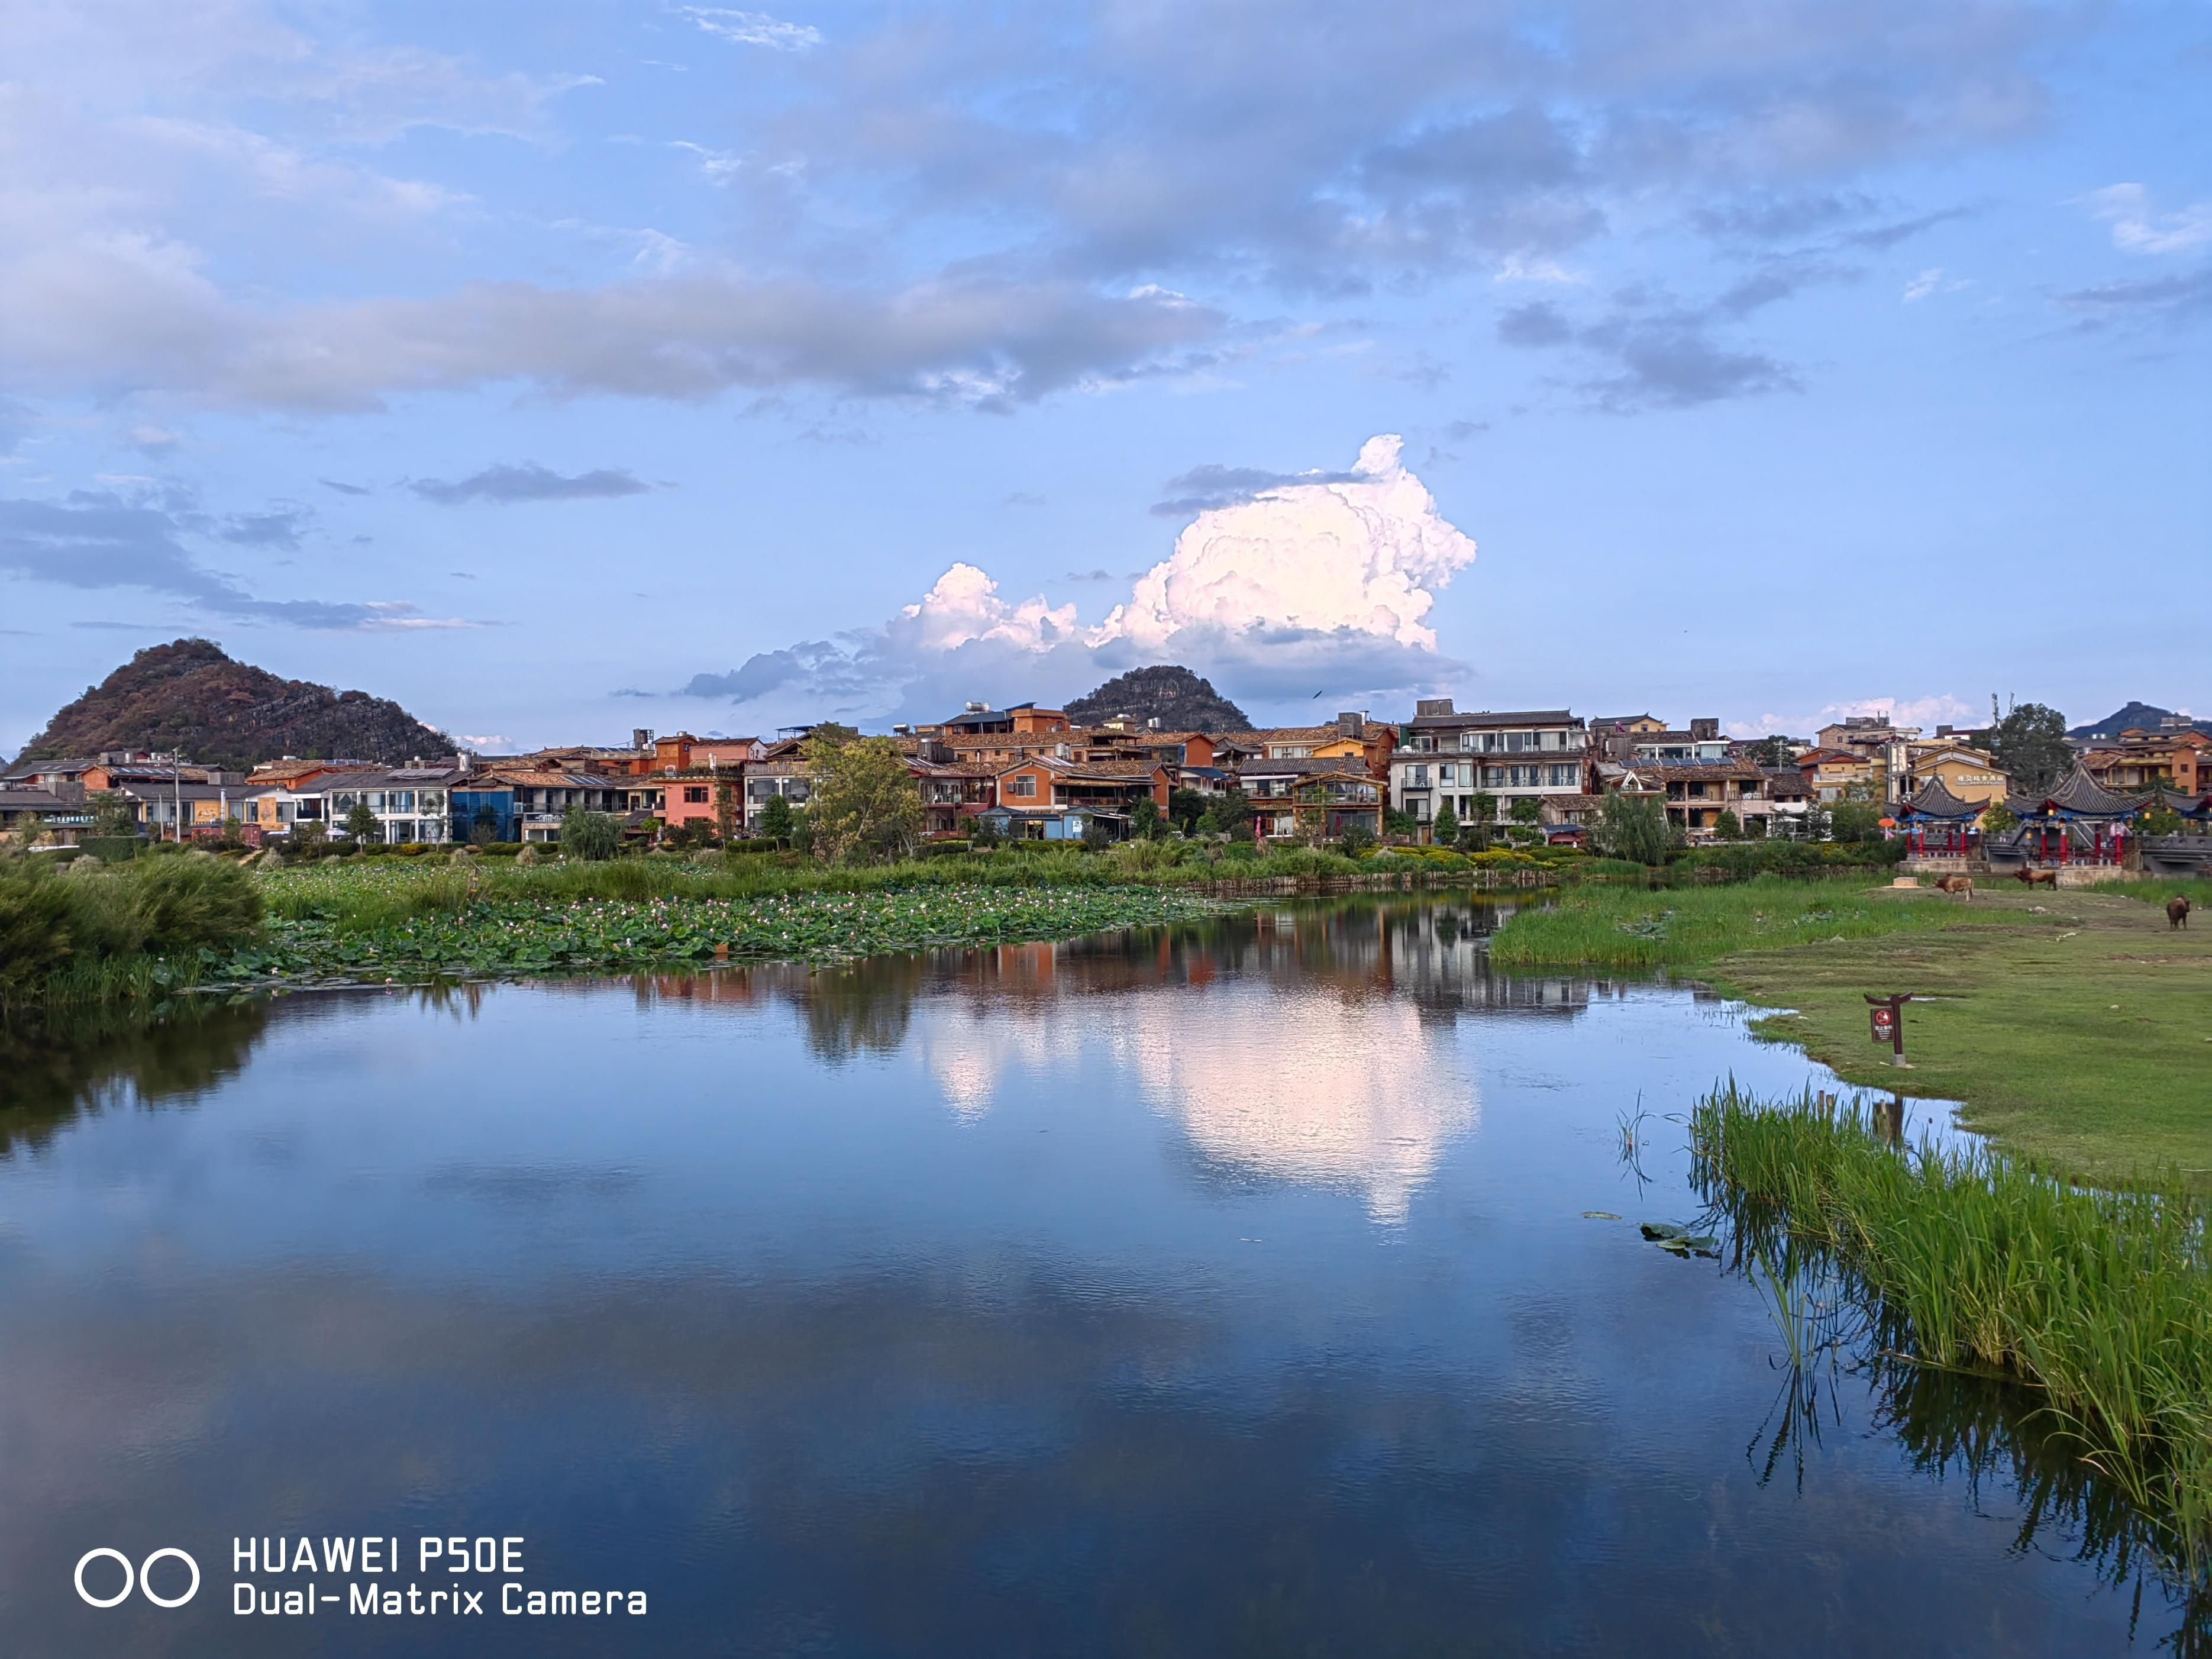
(2074, 1027)
(1967, 1261)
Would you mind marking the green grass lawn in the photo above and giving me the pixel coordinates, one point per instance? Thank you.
(2075, 1026)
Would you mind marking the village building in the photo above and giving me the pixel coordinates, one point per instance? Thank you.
(788, 776)
(56, 817)
(1694, 794)
(2176, 759)
(1046, 798)
(1311, 799)
(1443, 758)
(1701, 743)
(1968, 774)
(1831, 774)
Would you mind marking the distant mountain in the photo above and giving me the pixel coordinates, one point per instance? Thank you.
(1174, 696)
(188, 695)
(2140, 714)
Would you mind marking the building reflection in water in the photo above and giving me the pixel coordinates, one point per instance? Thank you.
(1309, 1042)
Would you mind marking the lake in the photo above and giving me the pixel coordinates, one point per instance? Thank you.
(1213, 1291)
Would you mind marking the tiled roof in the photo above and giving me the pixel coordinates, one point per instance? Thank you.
(1935, 801)
(2079, 793)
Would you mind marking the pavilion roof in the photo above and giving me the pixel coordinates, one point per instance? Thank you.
(1935, 801)
(2197, 805)
(2078, 795)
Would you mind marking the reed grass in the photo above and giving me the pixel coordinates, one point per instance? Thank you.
(2098, 1301)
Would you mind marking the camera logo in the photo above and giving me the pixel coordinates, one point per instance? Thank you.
(140, 1577)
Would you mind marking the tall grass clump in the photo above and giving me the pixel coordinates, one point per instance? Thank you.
(1614, 927)
(2098, 1303)
(109, 934)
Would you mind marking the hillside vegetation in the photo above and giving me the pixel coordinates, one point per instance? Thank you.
(190, 696)
(1174, 696)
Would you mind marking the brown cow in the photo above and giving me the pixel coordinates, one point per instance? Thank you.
(2177, 911)
(1963, 885)
(2037, 878)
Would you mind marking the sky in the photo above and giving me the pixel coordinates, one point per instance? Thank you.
(561, 368)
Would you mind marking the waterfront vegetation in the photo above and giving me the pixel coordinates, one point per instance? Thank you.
(2074, 1026)
(2095, 1305)
(1617, 928)
(89, 933)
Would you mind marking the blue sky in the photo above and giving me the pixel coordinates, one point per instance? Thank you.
(556, 369)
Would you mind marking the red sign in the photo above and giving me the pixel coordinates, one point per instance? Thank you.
(1884, 1021)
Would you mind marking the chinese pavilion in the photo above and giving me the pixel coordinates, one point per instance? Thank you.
(2077, 820)
(1936, 822)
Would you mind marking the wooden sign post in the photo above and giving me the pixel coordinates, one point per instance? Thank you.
(1886, 1022)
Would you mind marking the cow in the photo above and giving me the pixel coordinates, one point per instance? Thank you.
(2177, 911)
(2037, 878)
(1962, 885)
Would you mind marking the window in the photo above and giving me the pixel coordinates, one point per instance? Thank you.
(1418, 778)
(1493, 777)
(1469, 740)
(1559, 776)
(695, 795)
(1518, 741)
(403, 800)
(1447, 775)
(431, 800)
(1023, 786)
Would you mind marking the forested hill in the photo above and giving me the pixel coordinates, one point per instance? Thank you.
(1177, 698)
(189, 696)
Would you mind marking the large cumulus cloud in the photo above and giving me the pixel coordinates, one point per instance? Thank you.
(1297, 588)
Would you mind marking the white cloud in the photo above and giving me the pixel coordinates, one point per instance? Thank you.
(1355, 554)
(2126, 208)
(752, 28)
(1302, 587)
(1927, 712)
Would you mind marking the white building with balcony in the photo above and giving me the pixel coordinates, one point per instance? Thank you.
(1444, 757)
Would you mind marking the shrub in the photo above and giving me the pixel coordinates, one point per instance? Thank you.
(111, 849)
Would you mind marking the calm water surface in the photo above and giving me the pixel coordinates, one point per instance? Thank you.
(1220, 1291)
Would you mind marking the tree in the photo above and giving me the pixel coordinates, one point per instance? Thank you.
(1228, 814)
(483, 827)
(362, 826)
(863, 805)
(1356, 841)
(2030, 746)
(1728, 826)
(1769, 751)
(310, 837)
(726, 812)
(594, 837)
(1855, 820)
(2161, 821)
(1096, 835)
(113, 814)
(1395, 823)
(1185, 808)
(1446, 827)
(1631, 827)
(776, 820)
(1525, 810)
(1144, 821)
